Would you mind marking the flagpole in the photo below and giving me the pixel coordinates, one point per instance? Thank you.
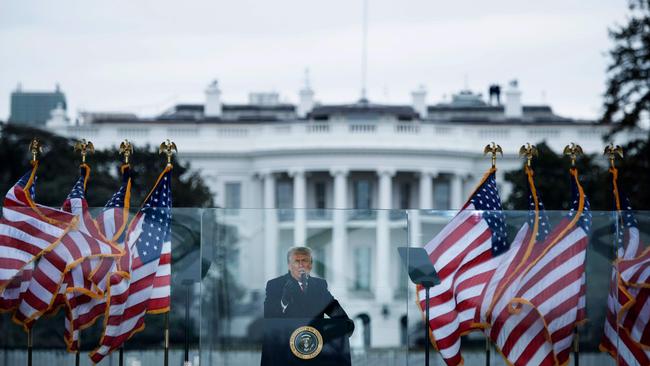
(487, 351)
(576, 347)
(426, 327)
(168, 148)
(29, 347)
(492, 149)
(188, 299)
(35, 148)
(166, 339)
(76, 354)
(573, 150)
(126, 149)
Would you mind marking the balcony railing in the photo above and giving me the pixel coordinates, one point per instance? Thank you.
(285, 214)
(358, 215)
(336, 133)
(317, 214)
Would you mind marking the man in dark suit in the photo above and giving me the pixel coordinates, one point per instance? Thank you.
(298, 295)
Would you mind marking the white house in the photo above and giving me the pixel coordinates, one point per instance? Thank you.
(359, 156)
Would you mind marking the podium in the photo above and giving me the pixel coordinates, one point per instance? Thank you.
(293, 341)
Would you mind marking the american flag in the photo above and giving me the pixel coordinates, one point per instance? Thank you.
(48, 278)
(518, 337)
(627, 329)
(83, 310)
(463, 254)
(148, 289)
(27, 231)
(550, 284)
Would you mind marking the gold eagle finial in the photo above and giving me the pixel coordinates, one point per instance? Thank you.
(611, 151)
(126, 149)
(528, 151)
(169, 148)
(85, 147)
(35, 148)
(493, 149)
(573, 150)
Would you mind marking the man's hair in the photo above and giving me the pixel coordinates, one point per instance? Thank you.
(299, 250)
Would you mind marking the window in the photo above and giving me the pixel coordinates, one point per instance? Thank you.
(285, 195)
(405, 196)
(320, 195)
(284, 200)
(362, 194)
(319, 262)
(441, 199)
(233, 198)
(362, 263)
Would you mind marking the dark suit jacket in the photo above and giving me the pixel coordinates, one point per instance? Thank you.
(312, 303)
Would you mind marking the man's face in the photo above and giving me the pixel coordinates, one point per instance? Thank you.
(298, 262)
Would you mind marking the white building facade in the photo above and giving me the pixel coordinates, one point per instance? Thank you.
(356, 158)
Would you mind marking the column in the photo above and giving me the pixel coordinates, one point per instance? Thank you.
(270, 227)
(456, 191)
(426, 202)
(339, 232)
(426, 189)
(299, 203)
(382, 259)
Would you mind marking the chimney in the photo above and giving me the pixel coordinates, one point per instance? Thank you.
(513, 108)
(306, 98)
(212, 101)
(58, 117)
(419, 98)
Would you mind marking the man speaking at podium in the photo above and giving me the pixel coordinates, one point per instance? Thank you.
(298, 295)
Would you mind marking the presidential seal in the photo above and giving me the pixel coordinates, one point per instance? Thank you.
(306, 342)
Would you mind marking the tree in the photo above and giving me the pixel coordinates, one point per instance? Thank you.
(627, 98)
(58, 170)
(553, 183)
(552, 179)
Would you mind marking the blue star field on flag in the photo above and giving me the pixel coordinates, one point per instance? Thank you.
(629, 219)
(22, 182)
(544, 226)
(585, 219)
(486, 199)
(78, 190)
(626, 218)
(117, 200)
(157, 221)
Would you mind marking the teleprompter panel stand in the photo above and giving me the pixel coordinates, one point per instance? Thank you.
(421, 272)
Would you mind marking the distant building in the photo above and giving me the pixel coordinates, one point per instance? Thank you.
(34, 107)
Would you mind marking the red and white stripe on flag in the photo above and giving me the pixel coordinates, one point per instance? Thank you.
(48, 276)
(465, 255)
(27, 231)
(148, 288)
(536, 309)
(531, 347)
(627, 331)
(86, 284)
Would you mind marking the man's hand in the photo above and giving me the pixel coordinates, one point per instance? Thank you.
(289, 292)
